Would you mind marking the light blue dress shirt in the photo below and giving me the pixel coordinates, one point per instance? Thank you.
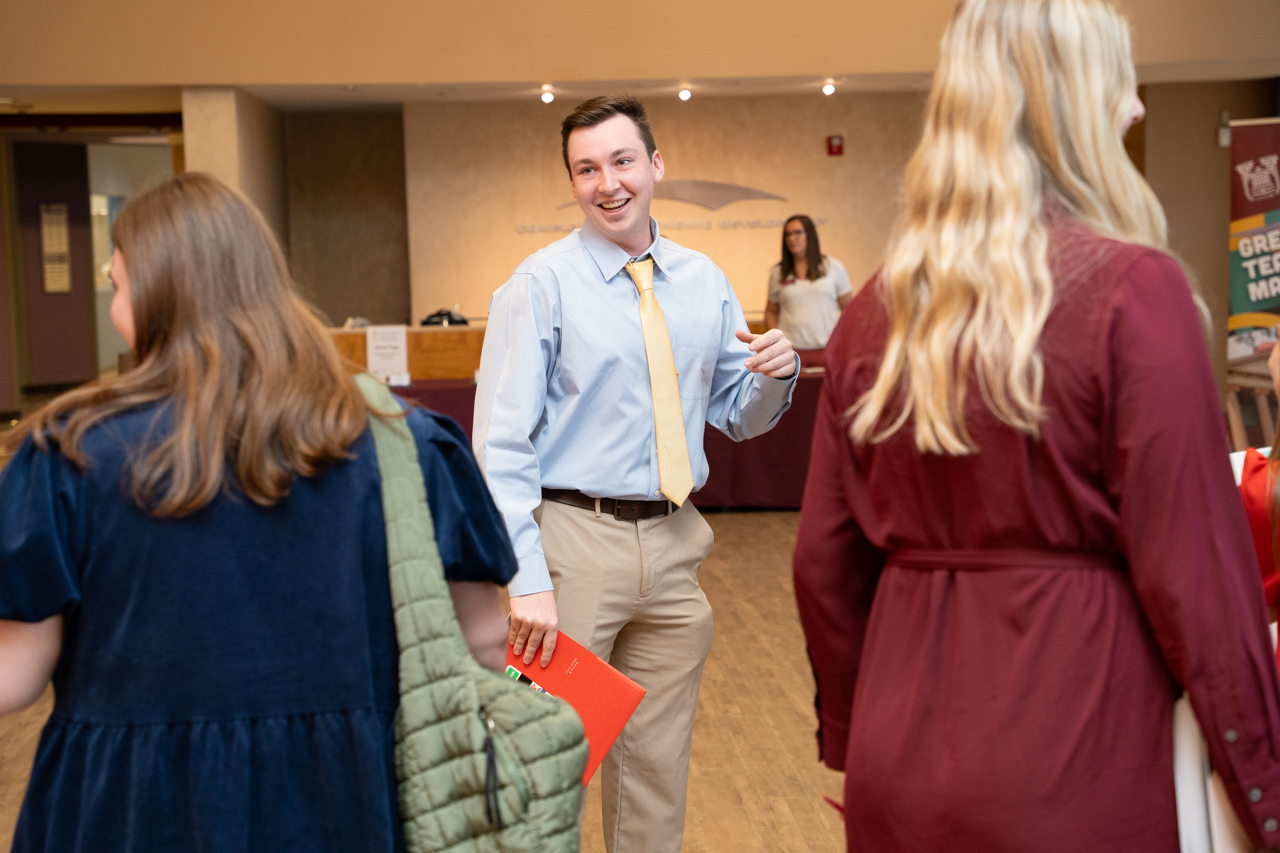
(563, 397)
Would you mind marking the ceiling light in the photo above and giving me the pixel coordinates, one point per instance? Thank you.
(829, 87)
(685, 94)
(546, 87)
(547, 97)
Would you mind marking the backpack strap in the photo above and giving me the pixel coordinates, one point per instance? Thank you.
(419, 594)
(458, 791)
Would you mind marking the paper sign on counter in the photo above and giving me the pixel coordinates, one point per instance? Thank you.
(387, 354)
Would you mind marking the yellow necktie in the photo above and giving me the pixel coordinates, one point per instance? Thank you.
(668, 418)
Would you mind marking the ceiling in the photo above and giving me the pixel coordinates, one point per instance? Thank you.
(83, 56)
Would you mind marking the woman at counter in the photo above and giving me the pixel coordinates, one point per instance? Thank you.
(807, 290)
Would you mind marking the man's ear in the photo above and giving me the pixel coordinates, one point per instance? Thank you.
(658, 168)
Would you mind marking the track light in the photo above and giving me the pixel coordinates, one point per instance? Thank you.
(685, 94)
(547, 97)
(829, 87)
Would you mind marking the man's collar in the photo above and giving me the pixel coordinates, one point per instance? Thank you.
(611, 258)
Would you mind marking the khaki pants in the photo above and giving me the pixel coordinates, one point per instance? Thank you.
(628, 590)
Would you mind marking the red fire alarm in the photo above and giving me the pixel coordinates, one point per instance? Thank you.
(835, 145)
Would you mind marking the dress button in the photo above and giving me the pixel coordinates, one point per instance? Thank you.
(1231, 735)
(1255, 794)
(657, 492)
(1270, 825)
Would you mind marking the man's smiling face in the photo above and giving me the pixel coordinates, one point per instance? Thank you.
(612, 178)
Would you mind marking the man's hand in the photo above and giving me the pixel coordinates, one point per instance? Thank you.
(774, 355)
(533, 621)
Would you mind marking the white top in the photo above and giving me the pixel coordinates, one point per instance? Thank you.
(563, 399)
(808, 310)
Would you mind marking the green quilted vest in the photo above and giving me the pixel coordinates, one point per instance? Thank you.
(485, 764)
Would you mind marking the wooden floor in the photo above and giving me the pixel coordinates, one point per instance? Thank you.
(18, 736)
(754, 781)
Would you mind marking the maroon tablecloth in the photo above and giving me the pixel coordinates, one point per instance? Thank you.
(767, 471)
(453, 397)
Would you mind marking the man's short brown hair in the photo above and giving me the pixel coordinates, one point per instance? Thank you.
(599, 110)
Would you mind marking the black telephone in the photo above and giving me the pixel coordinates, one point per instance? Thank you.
(444, 317)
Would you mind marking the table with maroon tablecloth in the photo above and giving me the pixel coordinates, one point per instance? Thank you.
(767, 471)
(453, 397)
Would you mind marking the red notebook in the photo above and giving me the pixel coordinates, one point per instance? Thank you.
(603, 697)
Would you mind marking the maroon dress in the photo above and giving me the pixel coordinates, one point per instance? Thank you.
(998, 639)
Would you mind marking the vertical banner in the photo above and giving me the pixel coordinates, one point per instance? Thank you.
(1255, 238)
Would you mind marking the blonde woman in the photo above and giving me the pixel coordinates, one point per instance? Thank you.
(1020, 533)
(194, 553)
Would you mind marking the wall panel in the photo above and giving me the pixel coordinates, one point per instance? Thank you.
(348, 232)
(486, 185)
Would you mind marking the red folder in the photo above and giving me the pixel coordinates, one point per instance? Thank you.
(603, 697)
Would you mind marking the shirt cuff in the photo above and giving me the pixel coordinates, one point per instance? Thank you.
(532, 577)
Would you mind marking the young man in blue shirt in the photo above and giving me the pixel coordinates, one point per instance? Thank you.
(604, 355)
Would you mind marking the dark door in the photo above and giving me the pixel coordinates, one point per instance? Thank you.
(55, 293)
(8, 352)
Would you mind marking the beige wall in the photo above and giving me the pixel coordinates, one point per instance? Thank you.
(337, 42)
(240, 140)
(1192, 177)
(477, 175)
(348, 237)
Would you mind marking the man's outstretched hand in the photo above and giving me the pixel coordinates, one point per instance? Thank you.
(533, 621)
(774, 355)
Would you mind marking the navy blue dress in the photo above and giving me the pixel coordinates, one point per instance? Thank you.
(228, 680)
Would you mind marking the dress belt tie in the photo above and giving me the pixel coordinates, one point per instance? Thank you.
(1004, 558)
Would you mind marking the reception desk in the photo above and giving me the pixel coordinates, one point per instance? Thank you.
(435, 352)
(764, 472)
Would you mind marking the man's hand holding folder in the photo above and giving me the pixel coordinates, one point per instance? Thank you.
(604, 698)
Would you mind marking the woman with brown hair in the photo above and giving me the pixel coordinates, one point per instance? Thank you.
(807, 291)
(1020, 533)
(194, 552)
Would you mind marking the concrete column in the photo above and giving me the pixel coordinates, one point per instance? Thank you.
(240, 140)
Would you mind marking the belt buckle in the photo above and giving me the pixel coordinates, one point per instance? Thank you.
(618, 514)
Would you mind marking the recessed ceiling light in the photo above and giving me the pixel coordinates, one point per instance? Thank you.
(546, 87)
(829, 87)
(685, 94)
(547, 97)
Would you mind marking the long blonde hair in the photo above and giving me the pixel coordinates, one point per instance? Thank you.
(221, 334)
(1026, 112)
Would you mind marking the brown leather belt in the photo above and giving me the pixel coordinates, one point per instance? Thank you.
(623, 510)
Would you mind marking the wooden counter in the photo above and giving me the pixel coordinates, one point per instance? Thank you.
(435, 352)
